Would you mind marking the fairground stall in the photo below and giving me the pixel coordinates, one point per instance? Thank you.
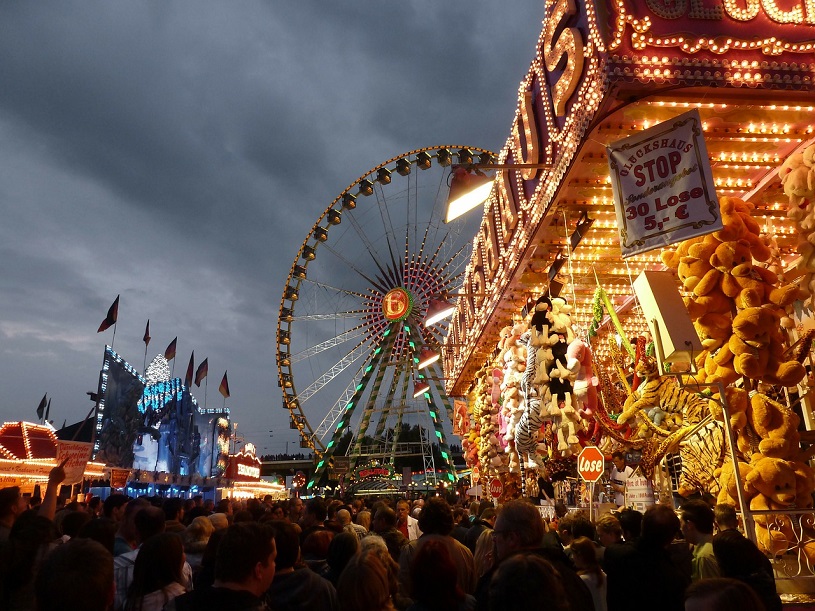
(29, 451)
(243, 478)
(702, 363)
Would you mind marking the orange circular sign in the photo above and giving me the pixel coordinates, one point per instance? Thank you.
(591, 464)
(396, 304)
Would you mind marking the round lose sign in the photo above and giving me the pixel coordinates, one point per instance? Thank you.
(496, 488)
(590, 464)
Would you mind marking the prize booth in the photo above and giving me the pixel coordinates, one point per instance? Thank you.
(243, 473)
(642, 279)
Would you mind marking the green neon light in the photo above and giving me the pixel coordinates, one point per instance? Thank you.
(438, 434)
(368, 368)
(407, 328)
(339, 426)
(450, 476)
(331, 443)
(359, 386)
(320, 464)
(432, 414)
(310, 485)
(444, 455)
(386, 333)
(412, 345)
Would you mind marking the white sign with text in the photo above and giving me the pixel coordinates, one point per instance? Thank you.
(663, 187)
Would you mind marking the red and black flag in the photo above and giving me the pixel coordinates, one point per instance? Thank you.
(110, 319)
(169, 354)
(224, 387)
(201, 372)
(146, 338)
(41, 406)
(188, 377)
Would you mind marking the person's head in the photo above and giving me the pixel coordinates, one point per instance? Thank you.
(488, 515)
(246, 557)
(243, 515)
(295, 509)
(149, 521)
(721, 594)
(618, 458)
(583, 527)
(160, 562)
(584, 554)
(219, 520)
(114, 506)
(561, 509)
(484, 555)
(659, 526)
(12, 503)
(725, 517)
(277, 512)
(526, 581)
(315, 513)
(518, 526)
(209, 505)
(73, 522)
(402, 510)
(198, 532)
(75, 576)
(436, 517)
(364, 519)
(609, 530)
(287, 539)
(101, 530)
(475, 509)
(384, 519)
(315, 545)
(174, 509)
(696, 520)
(343, 547)
(433, 577)
(631, 523)
(365, 584)
(343, 517)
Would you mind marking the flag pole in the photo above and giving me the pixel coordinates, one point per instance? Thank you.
(206, 383)
(144, 363)
(113, 340)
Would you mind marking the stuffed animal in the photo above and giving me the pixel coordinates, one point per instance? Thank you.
(539, 321)
(776, 425)
(757, 347)
(584, 382)
(772, 484)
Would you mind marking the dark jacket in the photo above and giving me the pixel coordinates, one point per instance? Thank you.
(640, 574)
(301, 589)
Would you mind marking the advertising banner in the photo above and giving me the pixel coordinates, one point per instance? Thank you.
(118, 478)
(75, 454)
(663, 187)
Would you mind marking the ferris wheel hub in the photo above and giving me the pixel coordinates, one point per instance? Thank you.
(397, 304)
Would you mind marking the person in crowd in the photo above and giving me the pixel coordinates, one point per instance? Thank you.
(484, 555)
(343, 547)
(195, 538)
(434, 581)
(314, 551)
(243, 515)
(584, 557)
(560, 511)
(546, 490)
(739, 558)
(72, 523)
(30, 541)
(484, 522)
(313, 518)
(721, 594)
(364, 584)
(101, 530)
(76, 576)
(647, 560)
(618, 476)
(406, 523)
(244, 570)
(205, 576)
(93, 507)
(384, 525)
(295, 510)
(209, 506)
(174, 515)
(12, 504)
(157, 573)
(436, 523)
(527, 581)
(609, 531)
(376, 545)
(219, 521)
(363, 518)
(696, 520)
(126, 537)
(114, 506)
(631, 523)
(295, 586)
(344, 519)
(474, 510)
(519, 530)
(226, 507)
(461, 524)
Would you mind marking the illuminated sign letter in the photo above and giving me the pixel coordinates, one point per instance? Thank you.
(564, 51)
(489, 237)
(528, 151)
(794, 15)
(750, 11)
(507, 206)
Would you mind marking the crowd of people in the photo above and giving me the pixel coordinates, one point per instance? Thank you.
(149, 554)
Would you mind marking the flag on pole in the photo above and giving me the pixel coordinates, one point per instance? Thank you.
(224, 387)
(110, 319)
(201, 372)
(41, 406)
(146, 339)
(169, 354)
(188, 377)
(48, 409)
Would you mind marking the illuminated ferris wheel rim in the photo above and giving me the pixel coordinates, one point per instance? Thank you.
(393, 301)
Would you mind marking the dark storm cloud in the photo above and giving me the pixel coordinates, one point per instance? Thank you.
(179, 153)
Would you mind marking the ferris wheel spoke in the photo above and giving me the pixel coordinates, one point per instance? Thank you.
(310, 317)
(368, 245)
(344, 363)
(363, 275)
(330, 343)
(400, 380)
(338, 408)
(328, 287)
(384, 213)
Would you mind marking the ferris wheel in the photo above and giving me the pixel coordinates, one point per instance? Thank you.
(351, 326)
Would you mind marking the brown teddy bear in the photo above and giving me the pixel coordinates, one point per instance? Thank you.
(757, 347)
(776, 425)
(772, 484)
